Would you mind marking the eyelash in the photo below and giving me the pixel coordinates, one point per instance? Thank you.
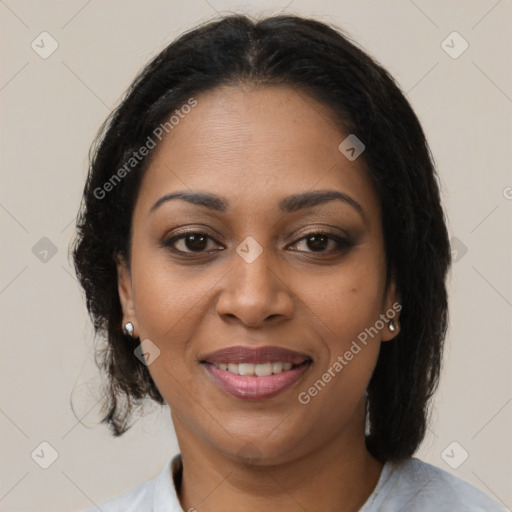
(342, 244)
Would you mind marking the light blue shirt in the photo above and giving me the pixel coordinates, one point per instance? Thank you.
(411, 486)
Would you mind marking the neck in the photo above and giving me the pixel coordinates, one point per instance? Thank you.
(340, 475)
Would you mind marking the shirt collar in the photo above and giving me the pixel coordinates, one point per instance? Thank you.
(166, 489)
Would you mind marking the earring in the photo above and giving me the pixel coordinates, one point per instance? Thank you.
(392, 326)
(128, 329)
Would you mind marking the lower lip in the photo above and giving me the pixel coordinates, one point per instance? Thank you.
(256, 388)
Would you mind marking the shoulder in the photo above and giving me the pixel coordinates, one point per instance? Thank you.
(145, 497)
(419, 486)
(137, 499)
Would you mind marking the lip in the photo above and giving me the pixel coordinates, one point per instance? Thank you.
(252, 387)
(255, 355)
(256, 388)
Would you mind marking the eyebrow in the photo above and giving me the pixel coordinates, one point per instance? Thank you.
(289, 204)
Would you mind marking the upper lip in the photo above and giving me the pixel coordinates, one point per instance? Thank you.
(255, 355)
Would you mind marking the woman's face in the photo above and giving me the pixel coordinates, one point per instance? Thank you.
(254, 275)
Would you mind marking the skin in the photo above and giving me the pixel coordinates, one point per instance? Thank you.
(254, 146)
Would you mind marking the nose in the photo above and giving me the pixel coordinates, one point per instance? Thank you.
(255, 293)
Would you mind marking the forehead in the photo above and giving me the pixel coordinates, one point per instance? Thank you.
(254, 144)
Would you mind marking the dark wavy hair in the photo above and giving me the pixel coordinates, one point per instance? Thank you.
(322, 62)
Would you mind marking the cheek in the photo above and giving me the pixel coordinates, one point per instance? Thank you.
(168, 298)
(169, 307)
(344, 312)
(350, 300)
(352, 342)
(347, 308)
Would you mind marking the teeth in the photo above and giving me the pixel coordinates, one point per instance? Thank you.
(260, 370)
(263, 370)
(246, 369)
(277, 367)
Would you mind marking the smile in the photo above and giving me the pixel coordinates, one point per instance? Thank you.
(255, 373)
(260, 369)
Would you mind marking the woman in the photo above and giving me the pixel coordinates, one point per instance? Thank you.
(262, 245)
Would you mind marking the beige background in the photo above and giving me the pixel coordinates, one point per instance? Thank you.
(50, 111)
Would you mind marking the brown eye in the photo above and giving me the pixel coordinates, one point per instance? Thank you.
(317, 242)
(191, 242)
(323, 242)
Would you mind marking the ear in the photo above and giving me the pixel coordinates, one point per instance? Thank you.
(392, 307)
(124, 286)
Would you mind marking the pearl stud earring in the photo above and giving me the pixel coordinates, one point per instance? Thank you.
(128, 329)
